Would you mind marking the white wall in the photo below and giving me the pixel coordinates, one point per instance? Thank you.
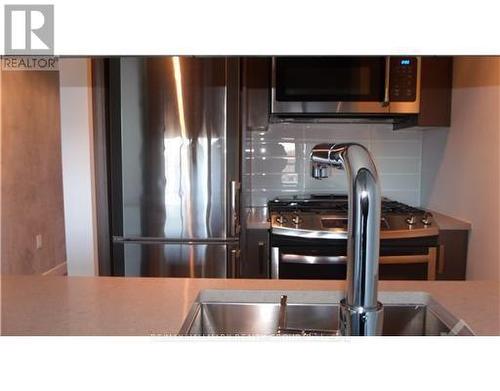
(279, 160)
(78, 163)
(460, 165)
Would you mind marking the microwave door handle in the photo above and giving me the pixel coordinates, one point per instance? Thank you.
(387, 80)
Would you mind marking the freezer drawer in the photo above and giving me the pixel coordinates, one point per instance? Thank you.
(178, 260)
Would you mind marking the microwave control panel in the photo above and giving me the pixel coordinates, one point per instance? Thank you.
(403, 79)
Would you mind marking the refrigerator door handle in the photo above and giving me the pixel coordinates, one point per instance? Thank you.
(159, 240)
(234, 229)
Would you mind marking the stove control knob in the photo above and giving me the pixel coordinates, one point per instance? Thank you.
(411, 220)
(427, 219)
(281, 220)
(296, 220)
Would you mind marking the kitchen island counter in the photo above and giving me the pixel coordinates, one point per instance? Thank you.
(54, 305)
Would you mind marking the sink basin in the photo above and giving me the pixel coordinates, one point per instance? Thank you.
(257, 313)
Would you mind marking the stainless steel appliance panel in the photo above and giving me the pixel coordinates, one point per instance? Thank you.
(172, 260)
(174, 143)
(314, 86)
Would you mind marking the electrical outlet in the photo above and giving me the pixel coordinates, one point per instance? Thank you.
(38, 241)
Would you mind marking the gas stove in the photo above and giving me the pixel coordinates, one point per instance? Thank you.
(325, 216)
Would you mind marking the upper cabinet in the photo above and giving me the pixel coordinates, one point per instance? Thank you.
(256, 75)
(435, 94)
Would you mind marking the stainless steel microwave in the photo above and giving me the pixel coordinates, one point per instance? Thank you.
(317, 86)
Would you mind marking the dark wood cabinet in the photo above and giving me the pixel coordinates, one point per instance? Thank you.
(255, 257)
(256, 73)
(435, 94)
(452, 254)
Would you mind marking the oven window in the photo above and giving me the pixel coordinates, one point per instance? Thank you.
(338, 79)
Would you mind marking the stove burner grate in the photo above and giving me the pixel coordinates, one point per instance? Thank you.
(334, 203)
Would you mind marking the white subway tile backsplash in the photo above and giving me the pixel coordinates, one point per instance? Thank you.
(276, 132)
(278, 160)
(400, 148)
(274, 165)
(383, 132)
(260, 197)
(408, 197)
(391, 165)
(390, 182)
(334, 184)
(275, 181)
(274, 149)
(340, 132)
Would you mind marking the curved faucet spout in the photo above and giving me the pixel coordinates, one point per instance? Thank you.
(361, 313)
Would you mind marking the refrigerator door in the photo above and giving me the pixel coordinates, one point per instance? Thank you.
(174, 138)
(177, 129)
(171, 260)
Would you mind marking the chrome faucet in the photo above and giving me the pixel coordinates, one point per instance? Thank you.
(360, 311)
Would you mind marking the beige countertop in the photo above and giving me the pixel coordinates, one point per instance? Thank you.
(36, 305)
(446, 222)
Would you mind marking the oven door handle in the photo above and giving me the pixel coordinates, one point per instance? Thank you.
(314, 259)
(342, 259)
(278, 257)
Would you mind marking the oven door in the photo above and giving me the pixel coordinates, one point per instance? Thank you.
(329, 262)
(319, 85)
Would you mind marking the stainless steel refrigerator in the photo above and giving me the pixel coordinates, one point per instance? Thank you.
(175, 166)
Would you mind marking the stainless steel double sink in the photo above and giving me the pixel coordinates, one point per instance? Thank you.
(259, 313)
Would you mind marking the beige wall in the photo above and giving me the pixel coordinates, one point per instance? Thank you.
(32, 197)
(461, 166)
